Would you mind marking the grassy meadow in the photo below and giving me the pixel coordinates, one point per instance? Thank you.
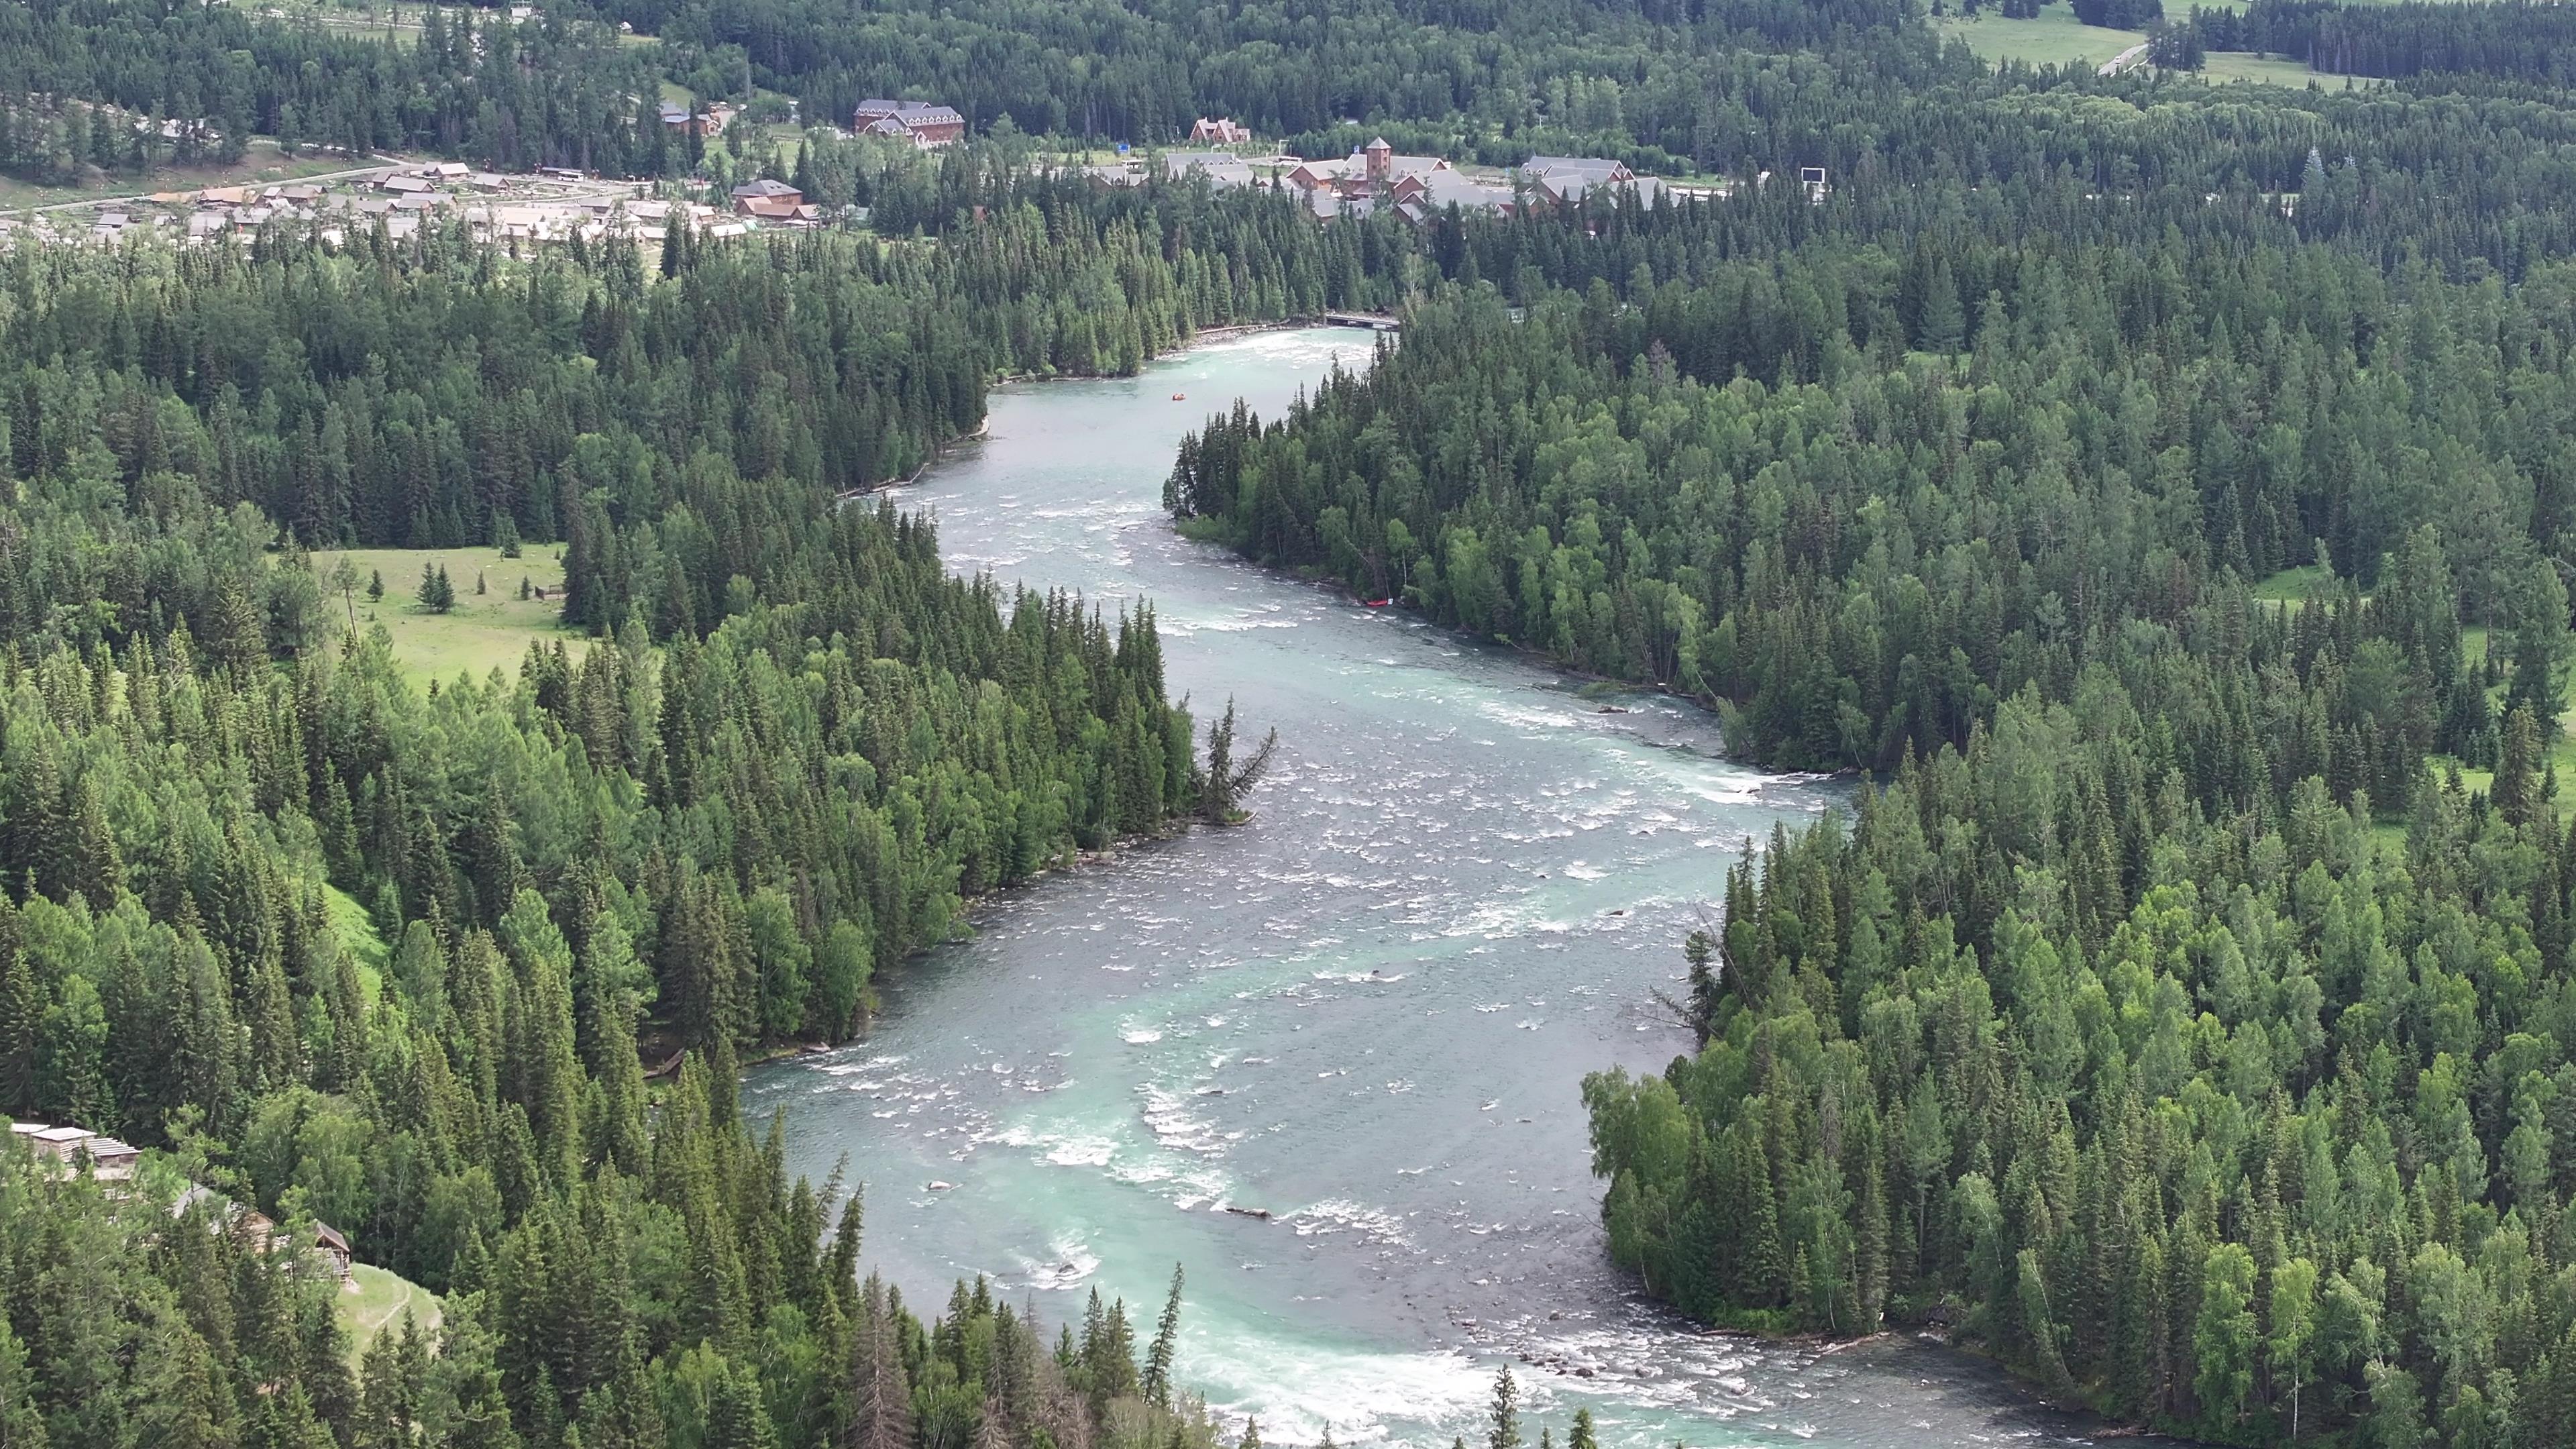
(483, 632)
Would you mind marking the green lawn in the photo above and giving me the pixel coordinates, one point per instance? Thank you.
(2223, 66)
(484, 632)
(373, 1301)
(2055, 37)
(356, 928)
(2293, 586)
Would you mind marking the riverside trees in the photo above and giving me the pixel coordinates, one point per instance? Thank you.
(396, 960)
(2183, 1013)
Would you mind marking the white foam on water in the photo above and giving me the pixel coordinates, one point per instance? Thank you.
(1374, 1226)
(1296, 1391)
(1168, 1116)
(1082, 1152)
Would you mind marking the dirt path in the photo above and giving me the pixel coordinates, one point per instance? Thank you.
(2124, 60)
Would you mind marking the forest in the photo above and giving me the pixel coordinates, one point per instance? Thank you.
(2181, 1015)
(2511, 40)
(468, 972)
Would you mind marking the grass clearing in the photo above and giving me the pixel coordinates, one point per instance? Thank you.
(355, 925)
(485, 631)
(2223, 67)
(2294, 586)
(261, 164)
(2054, 37)
(374, 1300)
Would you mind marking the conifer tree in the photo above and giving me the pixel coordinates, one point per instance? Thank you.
(1157, 1378)
(1503, 1418)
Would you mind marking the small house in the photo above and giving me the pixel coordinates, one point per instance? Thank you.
(926, 125)
(331, 1247)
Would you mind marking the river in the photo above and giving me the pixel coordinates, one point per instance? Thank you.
(1366, 1013)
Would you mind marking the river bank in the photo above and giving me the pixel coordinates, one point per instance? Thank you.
(1367, 1012)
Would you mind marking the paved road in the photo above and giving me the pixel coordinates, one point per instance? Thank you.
(2124, 60)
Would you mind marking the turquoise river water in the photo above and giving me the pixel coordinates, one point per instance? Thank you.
(1367, 1013)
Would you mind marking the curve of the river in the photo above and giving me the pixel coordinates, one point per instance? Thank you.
(1367, 1013)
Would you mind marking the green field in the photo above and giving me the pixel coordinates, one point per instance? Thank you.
(2055, 37)
(356, 929)
(2222, 66)
(261, 164)
(2293, 586)
(484, 632)
(374, 1300)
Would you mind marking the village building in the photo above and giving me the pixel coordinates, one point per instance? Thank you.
(1374, 172)
(1222, 171)
(767, 199)
(1420, 198)
(1312, 176)
(708, 122)
(1113, 177)
(323, 1245)
(1567, 179)
(109, 1160)
(1383, 168)
(1222, 131)
(926, 125)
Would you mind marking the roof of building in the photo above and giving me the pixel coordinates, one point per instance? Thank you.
(1447, 188)
(1220, 169)
(1591, 168)
(911, 113)
(765, 186)
(1396, 166)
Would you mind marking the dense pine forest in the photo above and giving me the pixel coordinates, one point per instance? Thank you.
(399, 960)
(2181, 1017)
(2160, 495)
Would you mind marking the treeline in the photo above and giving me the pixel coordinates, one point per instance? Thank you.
(469, 84)
(423, 394)
(398, 960)
(1146, 71)
(2518, 40)
(2238, 1117)
(1815, 492)
(704, 1303)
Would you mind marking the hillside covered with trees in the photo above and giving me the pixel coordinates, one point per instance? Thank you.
(400, 960)
(2182, 1015)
